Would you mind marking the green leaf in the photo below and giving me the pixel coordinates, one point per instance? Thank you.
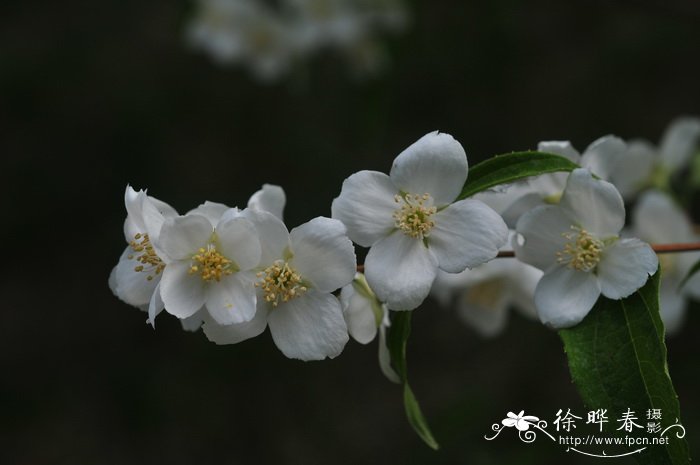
(397, 338)
(690, 274)
(617, 359)
(511, 167)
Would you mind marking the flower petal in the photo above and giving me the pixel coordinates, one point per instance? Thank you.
(155, 306)
(235, 333)
(239, 242)
(466, 234)
(562, 148)
(435, 164)
(213, 211)
(270, 198)
(634, 168)
(541, 235)
(679, 141)
(194, 322)
(603, 156)
(182, 293)
(310, 327)
(366, 205)
(401, 270)
(657, 218)
(359, 316)
(180, 237)
(625, 266)
(273, 235)
(596, 204)
(323, 254)
(132, 286)
(233, 299)
(484, 307)
(565, 296)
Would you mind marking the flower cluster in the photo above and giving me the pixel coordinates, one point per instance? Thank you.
(271, 40)
(234, 272)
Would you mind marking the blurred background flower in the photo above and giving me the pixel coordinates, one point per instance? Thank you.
(95, 95)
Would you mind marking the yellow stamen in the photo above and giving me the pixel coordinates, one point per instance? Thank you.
(149, 259)
(414, 216)
(211, 264)
(582, 252)
(280, 283)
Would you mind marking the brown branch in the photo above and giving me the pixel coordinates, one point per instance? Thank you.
(658, 248)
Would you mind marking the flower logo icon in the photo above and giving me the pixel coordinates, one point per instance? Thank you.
(520, 421)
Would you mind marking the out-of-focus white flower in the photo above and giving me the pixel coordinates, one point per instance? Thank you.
(366, 316)
(577, 245)
(244, 31)
(136, 278)
(270, 198)
(600, 157)
(409, 221)
(644, 165)
(298, 272)
(483, 295)
(656, 218)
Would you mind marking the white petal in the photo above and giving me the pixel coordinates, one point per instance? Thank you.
(565, 296)
(435, 164)
(672, 305)
(323, 254)
(270, 198)
(524, 204)
(133, 200)
(310, 327)
(466, 234)
(625, 266)
(132, 286)
(560, 147)
(212, 211)
(385, 358)
(181, 237)
(155, 306)
(359, 316)
(541, 235)
(484, 307)
(233, 334)
(634, 168)
(366, 205)
(603, 156)
(194, 322)
(238, 240)
(679, 141)
(523, 279)
(273, 235)
(232, 300)
(596, 204)
(400, 270)
(182, 293)
(657, 218)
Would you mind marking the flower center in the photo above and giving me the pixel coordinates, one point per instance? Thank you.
(414, 216)
(211, 264)
(582, 252)
(150, 261)
(280, 283)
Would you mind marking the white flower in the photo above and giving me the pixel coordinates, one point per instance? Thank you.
(136, 277)
(366, 316)
(600, 157)
(656, 218)
(483, 295)
(520, 421)
(244, 31)
(644, 165)
(409, 221)
(577, 245)
(299, 270)
(210, 266)
(270, 198)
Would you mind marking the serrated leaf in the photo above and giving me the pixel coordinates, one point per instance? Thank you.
(511, 167)
(397, 338)
(694, 269)
(617, 359)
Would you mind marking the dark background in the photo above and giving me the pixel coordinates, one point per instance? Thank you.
(98, 94)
